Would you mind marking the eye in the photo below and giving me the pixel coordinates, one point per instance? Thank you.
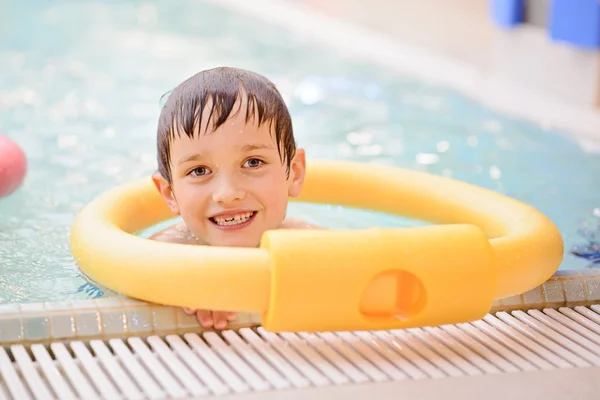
(199, 171)
(253, 163)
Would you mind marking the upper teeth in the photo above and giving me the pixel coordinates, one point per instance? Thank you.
(233, 219)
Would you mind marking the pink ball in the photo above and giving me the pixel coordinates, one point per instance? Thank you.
(13, 166)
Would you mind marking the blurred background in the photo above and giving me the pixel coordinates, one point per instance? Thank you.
(493, 93)
(547, 45)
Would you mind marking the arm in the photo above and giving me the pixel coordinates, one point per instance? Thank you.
(178, 233)
(293, 223)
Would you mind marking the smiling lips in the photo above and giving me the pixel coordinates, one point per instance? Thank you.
(233, 220)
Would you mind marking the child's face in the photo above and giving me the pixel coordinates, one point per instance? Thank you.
(230, 185)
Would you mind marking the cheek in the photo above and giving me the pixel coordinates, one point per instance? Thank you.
(274, 194)
(191, 199)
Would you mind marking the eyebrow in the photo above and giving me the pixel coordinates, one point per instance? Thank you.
(193, 157)
(246, 149)
(251, 147)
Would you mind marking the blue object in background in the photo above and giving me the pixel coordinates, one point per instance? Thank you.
(508, 13)
(576, 22)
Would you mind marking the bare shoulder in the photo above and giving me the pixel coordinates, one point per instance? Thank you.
(293, 223)
(178, 233)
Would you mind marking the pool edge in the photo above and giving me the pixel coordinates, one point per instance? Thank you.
(111, 317)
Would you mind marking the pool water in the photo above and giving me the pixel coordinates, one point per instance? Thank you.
(80, 84)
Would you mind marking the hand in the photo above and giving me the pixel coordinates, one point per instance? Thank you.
(209, 319)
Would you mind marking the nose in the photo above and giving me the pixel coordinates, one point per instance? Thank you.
(227, 190)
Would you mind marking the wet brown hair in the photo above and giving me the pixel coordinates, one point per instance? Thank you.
(217, 91)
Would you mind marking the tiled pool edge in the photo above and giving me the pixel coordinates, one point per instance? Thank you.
(564, 288)
(97, 319)
(119, 317)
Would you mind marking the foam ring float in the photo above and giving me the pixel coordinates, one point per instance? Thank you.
(483, 246)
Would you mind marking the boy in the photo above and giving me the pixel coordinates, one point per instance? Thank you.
(227, 163)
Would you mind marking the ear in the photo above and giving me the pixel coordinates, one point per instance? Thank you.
(163, 187)
(297, 173)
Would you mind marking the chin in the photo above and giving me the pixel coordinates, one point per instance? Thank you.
(236, 243)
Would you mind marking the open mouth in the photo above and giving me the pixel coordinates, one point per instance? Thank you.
(237, 219)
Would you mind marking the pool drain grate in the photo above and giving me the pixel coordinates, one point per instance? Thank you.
(254, 360)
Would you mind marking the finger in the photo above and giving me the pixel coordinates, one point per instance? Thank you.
(205, 318)
(189, 311)
(231, 315)
(220, 319)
